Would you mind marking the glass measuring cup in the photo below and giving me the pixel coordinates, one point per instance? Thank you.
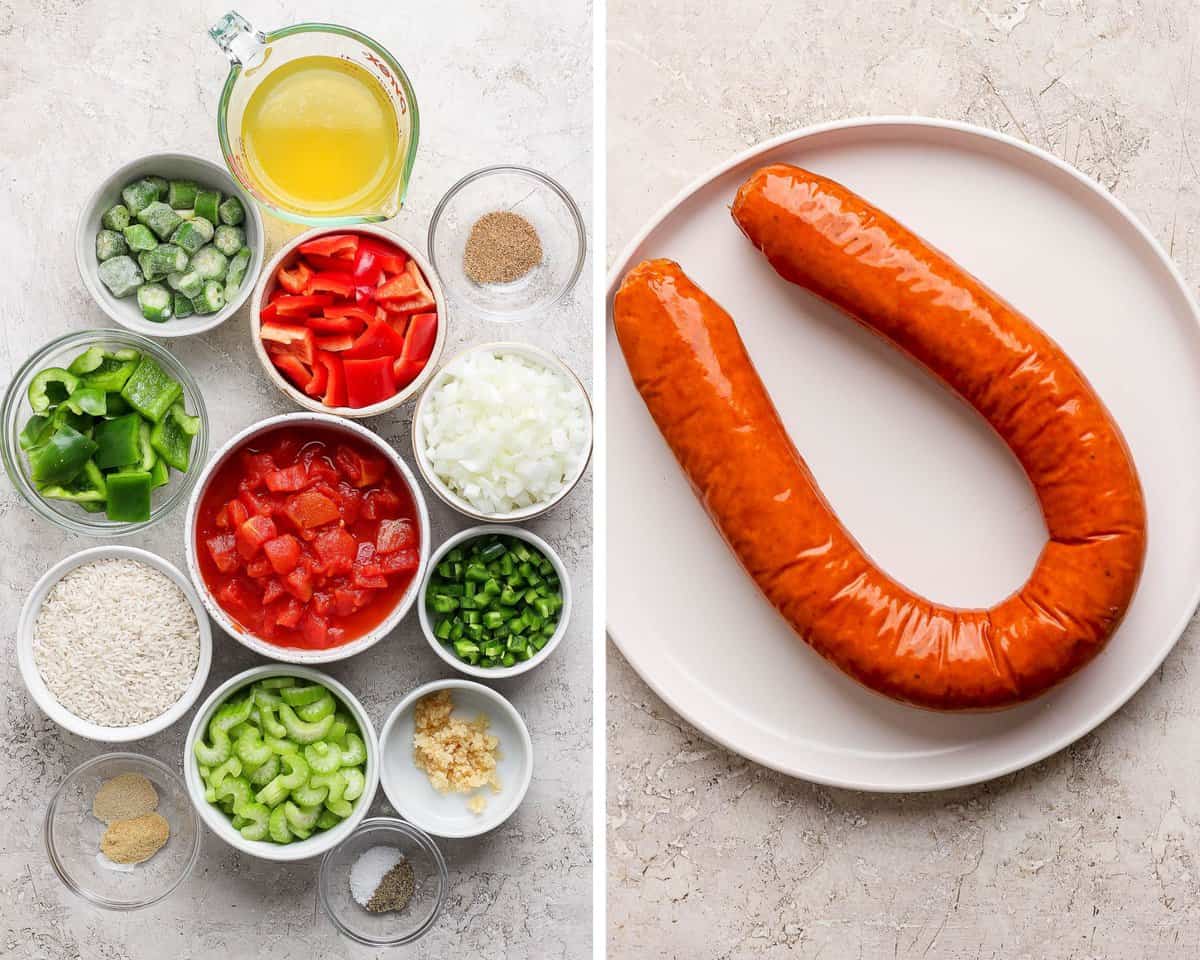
(254, 56)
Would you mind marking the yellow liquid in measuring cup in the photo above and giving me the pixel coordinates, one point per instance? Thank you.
(321, 137)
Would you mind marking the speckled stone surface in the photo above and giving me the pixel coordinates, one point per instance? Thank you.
(85, 86)
(1090, 854)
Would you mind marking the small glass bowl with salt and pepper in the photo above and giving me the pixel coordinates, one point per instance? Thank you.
(507, 242)
(385, 884)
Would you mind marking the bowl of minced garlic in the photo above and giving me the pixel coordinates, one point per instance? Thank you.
(121, 831)
(457, 758)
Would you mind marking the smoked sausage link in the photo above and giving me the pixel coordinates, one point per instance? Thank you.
(692, 369)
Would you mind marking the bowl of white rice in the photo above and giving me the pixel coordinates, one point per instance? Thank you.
(113, 644)
(503, 432)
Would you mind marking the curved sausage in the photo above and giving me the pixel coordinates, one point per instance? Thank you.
(693, 372)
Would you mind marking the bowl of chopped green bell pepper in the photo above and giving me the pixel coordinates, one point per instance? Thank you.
(104, 432)
(495, 601)
(170, 245)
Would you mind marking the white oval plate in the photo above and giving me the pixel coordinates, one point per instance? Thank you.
(917, 477)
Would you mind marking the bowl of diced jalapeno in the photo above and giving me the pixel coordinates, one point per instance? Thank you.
(104, 432)
(495, 601)
(169, 245)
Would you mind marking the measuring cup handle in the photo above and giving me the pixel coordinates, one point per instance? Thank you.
(239, 41)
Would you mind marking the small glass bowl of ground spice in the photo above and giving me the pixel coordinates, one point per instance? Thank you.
(385, 884)
(507, 242)
(121, 831)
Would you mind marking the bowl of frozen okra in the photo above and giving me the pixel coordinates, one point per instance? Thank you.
(169, 245)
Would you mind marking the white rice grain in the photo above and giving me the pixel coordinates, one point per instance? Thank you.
(116, 642)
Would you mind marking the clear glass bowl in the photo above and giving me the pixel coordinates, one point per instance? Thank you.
(384, 929)
(541, 201)
(72, 835)
(15, 412)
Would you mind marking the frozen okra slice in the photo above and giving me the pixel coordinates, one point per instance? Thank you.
(110, 244)
(139, 237)
(208, 203)
(210, 263)
(229, 240)
(211, 299)
(189, 284)
(160, 218)
(236, 272)
(181, 194)
(165, 259)
(182, 306)
(139, 195)
(116, 217)
(155, 301)
(192, 235)
(231, 211)
(121, 275)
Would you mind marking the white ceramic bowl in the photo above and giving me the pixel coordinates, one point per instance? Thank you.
(445, 814)
(33, 678)
(564, 616)
(439, 486)
(215, 818)
(172, 166)
(298, 654)
(266, 286)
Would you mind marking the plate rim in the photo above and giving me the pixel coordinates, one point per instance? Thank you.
(620, 266)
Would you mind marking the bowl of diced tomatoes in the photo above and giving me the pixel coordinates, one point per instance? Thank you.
(349, 322)
(308, 537)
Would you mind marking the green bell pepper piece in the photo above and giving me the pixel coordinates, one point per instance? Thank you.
(113, 370)
(91, 506)
(87, 487)
(129, 497)
(87, 361)
(116, 405)
(150, 390)
(50, 388)
(61, 457)
(35, 432)
(89, 400)
(160, 473)
(118, 442)
(65, 416)
(172, 436)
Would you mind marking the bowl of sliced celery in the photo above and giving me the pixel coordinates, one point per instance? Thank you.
(169, 245)
(103, 432)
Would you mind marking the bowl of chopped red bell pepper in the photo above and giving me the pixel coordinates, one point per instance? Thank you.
(349, 322)
(308, 537)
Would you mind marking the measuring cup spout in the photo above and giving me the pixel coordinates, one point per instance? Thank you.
(239, 41)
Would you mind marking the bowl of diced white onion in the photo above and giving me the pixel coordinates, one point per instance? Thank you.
(503, 432)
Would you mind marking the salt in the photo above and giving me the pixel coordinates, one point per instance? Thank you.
(369, 870)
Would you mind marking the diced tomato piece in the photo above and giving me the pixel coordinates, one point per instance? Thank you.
(394, 535)
(258, 568)
(237, 513)
(347, 600)
(420, 336)
(406, 371)
(222, 518)
(283, 553)
(366, 553)
(252, 534)
(380, 504)
(336, 549)
(292, 367)
(369, 381)
(255, 467)
(223, 550)
(321, 603)
(339, 245)
(299, 583)
(360, 470)
(314, 628)
(339, 284)
(311, 509)
(272, 591)
(407, 292)
(294, 281)
(254, 505)
(288, 480)
(378, 340)
(239, 595)
(349, 501)
(369, 577)
(402, 561)
(287, 612)
(303, 306)
(336, 343)
(335, 387)
(337, 636)
(322, 475)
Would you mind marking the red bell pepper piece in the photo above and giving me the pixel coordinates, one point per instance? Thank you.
(299, 307)
(335, 385)
(311, 509)
(252, 534)
(335, 326)
(391, 260)
(336, 343)
(287, 480)
(283, 553)
(318, 383)
(295, 280)
(340, 245)
(350, 310)
(394, 535)
(407, 292)
(378, 340)
(369, 381)
(367, 272)
(420, 336)
(223, 550)
(405, 371)
(339, 284)
(293, 368)
(269, 312)
(292, 337)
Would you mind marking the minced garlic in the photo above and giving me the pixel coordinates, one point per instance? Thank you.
(457, 755)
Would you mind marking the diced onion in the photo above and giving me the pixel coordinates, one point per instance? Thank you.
(505, 432)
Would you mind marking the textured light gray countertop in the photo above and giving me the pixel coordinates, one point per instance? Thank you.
(1090, 854)
(86, 86)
